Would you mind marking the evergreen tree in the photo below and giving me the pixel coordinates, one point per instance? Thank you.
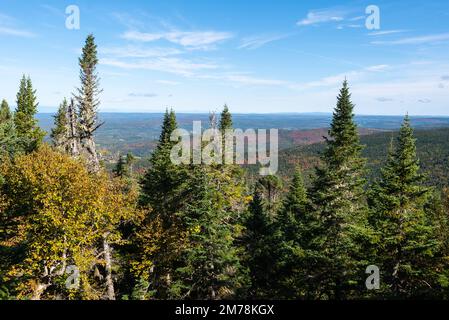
(258, 242)
(130, 159)
(162, 190)
(29, 134)
(88, 101)
(5, 112)
(161, 179)
(295, 228)
(60, 133)
(271, 188)
(225, 119)
(338, 197)
(209, 267)
(8, 138)
(225, 124)
(122, 168)
(406, 239)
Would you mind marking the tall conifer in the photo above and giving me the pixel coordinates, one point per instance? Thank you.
(26, 124)
(338, 197)
(407, 243)
(88, 101)
(60, 132)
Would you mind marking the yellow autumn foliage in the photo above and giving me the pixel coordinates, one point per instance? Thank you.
(56, 212)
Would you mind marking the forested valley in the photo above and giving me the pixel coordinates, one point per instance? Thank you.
(72, 229)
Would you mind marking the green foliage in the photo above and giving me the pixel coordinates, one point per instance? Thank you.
(260, 251)
(8, 137)
(296, 227)
(338, 197)
(60, 133)
(406, 239)
(88, 101)
(209, 266)
(26, 125)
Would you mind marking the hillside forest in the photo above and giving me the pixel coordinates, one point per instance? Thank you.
(72, 228)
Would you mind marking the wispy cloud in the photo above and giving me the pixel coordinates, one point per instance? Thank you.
(358, 18)
(168, 82)
(193, 39)
(142, 95)
(416, 40)
(322, 16)
(385, 32)
(250, 80)
(178, 66)
(384, 99)
(8, 28)
(53, 10)
(139, 52)
(16, 32)
(259, 41)
(336, 80)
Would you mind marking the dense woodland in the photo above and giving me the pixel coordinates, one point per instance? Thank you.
(209, 232)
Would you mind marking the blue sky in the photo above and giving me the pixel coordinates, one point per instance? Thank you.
(256, 56)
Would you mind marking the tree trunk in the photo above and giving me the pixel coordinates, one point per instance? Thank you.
(108, 267)
(73, 134)
(92, 157)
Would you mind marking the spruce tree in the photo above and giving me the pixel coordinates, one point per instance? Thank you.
(225, 119)
(406, 240)
(296, 255)
(338, 197)
(8, 138)
(28, 132)
(225, 124)
(121, 169)
(259, 257)
(161, 178)
(88, 101)
(271, 188)
(60, 132)
(209, 267)
(162, 189)
(5, 111)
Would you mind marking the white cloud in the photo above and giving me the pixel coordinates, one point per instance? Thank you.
(142, 95)
(16, 32)
(336, 80)
(416, 40)
(168, 82)
(171, 65)
(250, 80)
(8, 28)
(358, 18)
(138, 52)
(385, 32)
(259, 41)
(379, 67)
(193, 39)
(322, 16)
